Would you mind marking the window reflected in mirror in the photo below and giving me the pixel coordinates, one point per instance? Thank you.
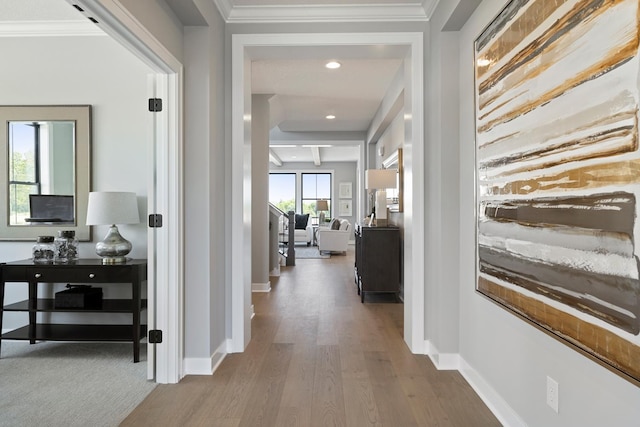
(41, 163)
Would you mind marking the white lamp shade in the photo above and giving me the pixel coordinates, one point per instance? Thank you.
(375, 179)
(112, 207)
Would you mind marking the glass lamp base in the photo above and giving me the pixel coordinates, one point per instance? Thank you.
(113, 248)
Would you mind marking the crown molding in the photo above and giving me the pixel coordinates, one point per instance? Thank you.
(49, 29)
(326, 13)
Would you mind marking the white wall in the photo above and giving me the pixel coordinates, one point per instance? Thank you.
(441, 203)
(96, 71)
(260, 191)
(508, 355)
(390, 140)
(205, 296)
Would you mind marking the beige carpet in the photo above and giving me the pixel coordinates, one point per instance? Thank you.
(70, 384)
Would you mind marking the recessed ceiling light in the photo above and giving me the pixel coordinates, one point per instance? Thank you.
(332, 65)
(330, 117)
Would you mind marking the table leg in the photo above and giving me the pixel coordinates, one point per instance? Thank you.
(137, 306)
(33, 301)
(1, 310)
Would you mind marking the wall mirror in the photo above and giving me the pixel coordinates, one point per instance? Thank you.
(394, 196)
(44, 170)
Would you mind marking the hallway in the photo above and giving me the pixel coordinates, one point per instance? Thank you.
(318, 357)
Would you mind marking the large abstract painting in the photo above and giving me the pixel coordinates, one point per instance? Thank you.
(558, 171)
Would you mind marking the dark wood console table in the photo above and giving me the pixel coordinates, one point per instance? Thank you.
(84, 271)
(377, 267)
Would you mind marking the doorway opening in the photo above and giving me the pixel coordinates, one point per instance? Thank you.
(245, 48)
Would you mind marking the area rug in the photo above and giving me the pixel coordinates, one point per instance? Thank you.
(70, 384)
(310, 252)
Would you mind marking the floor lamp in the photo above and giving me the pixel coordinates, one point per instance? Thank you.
(379, 180)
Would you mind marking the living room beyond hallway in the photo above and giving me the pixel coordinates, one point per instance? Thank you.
(319, 357)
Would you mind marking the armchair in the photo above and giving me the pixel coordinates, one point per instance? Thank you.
(303, 232)
(334, 238)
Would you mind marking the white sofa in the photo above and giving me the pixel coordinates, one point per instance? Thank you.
(334, 240)
(304, 235)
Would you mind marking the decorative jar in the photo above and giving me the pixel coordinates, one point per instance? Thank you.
(66, 246)
(44, 249)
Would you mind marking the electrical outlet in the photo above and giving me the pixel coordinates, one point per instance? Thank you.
(552, 393)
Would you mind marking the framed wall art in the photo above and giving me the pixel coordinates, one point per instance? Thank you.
(345, 190)
(558, 172)
(345, 208)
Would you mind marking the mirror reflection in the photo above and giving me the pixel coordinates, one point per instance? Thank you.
(44, 170)
(394, 196)
(41, 172)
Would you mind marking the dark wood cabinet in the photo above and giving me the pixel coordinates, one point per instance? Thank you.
(377, 267)
(85, 271)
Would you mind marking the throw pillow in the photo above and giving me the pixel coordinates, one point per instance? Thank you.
(335, 225)
(301, 221)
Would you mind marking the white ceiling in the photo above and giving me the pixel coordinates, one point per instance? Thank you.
(304, 90)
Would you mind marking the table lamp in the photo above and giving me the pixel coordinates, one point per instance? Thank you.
(380, 180)
(321, 206)
(111, 208)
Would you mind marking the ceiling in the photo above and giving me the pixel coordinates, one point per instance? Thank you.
(304, 91)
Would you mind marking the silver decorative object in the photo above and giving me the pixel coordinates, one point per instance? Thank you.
(111, 208)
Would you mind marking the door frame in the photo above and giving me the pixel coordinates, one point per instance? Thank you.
(166, 244)
(239, 245)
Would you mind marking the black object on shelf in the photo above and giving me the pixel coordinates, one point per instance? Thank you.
(79, 296)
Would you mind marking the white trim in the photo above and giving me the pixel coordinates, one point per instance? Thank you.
(152, 87)
(402, 12)
(253, 311)
(261, 287)
(442, 361)
(276, 271)
(496, 404)
(49, 29)
(205, 366)
(239, 244)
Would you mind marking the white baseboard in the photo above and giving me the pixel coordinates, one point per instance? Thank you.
(442, 361)
(261, 287)
(206, 365)
(275, 272)
(253, 311)
(496, 404)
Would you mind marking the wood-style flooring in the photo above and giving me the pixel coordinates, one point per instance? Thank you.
(318, 357)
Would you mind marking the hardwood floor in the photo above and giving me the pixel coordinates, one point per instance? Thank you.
(318, 357)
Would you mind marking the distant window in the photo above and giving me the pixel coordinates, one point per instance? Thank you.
(315, 186)
(282, 191)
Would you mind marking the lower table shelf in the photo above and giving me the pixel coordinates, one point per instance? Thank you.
(107, 306)
(74, 332)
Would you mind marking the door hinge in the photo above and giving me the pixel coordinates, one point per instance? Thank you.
(155, 336)
(155, 221)
(155, 104)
